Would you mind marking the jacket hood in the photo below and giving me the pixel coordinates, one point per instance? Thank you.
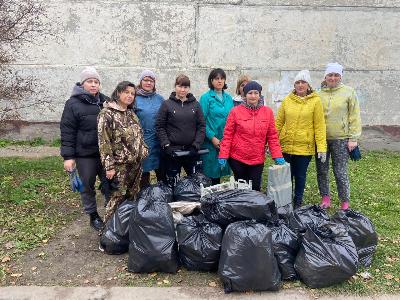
(80, 93)
(190, 97)
(296, 98)
(113, 105)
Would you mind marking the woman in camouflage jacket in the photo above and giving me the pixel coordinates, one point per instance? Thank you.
(122, 147)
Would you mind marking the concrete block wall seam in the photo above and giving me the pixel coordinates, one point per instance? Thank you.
(288, 3)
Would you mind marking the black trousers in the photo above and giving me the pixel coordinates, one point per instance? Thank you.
(247, 172)
(298, 168)
(88, 169)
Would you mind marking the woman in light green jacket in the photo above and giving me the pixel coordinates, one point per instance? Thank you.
(343, 129)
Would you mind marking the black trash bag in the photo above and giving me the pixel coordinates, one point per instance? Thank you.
(153, 246)
(284, 213)
(247, 259)
(312, 215)
(115, 236)
(158, 192)
(327, 256)
(286, 246)
(199, 243)
(188, 188)
(226, 207)
(362, 232)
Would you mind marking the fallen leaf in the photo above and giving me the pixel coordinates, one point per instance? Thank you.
(9, 245)
(5, 259)
(165, 281)
(153, 274)
(16, 275)
(34, 268)
(212, 284)
(388, 276)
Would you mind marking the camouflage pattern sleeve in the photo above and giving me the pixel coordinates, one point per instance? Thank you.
(141, 147)
(104, 130)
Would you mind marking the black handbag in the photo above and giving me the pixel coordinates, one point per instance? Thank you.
(355, 154)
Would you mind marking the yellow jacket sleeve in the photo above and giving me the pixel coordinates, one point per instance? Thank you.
(319, 127)
(280, 119)
(354, 117)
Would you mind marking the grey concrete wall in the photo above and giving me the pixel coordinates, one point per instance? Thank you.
(269, 40)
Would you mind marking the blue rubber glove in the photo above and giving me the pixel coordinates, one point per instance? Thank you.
(280, 161)
(222, 162)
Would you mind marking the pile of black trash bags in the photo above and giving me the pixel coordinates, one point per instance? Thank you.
(239, 234)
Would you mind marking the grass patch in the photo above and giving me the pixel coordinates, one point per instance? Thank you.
(31, 143)
(35, 202)
(375, 192)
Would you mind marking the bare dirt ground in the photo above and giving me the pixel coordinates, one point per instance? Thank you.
(72, 257)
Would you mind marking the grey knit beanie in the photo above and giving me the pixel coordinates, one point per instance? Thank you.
(89, 72)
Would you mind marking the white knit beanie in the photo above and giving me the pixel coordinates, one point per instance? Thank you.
(303, 75)
(89, 72)
(334, 68)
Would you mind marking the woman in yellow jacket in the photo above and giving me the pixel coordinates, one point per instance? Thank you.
(301, 126)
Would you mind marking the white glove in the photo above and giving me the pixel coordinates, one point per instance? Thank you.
(322, 156)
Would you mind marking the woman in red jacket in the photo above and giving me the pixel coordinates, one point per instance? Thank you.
(249, 127)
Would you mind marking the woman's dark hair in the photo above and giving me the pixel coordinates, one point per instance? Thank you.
(214, 73)
(182, 80)
(122, 86)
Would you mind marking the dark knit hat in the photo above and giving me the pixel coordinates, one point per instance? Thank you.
(252, 85)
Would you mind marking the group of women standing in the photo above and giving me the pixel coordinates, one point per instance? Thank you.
(124, 138)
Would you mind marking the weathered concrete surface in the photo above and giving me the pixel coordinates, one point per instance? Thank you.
(271, 40)
(282, 38)
(143, 293)
(378, 91)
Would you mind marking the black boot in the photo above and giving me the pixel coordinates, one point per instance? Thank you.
(95, 221)
(297, 204)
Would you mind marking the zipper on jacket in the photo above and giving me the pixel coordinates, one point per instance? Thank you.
(254, 124)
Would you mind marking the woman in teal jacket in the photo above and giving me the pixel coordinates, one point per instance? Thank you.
(216, 105)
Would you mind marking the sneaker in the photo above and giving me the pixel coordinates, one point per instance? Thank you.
(326, 202)
(345, 205)
(96, 222)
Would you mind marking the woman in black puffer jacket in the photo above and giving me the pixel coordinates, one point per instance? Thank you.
(180, 125)
(79, 143)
